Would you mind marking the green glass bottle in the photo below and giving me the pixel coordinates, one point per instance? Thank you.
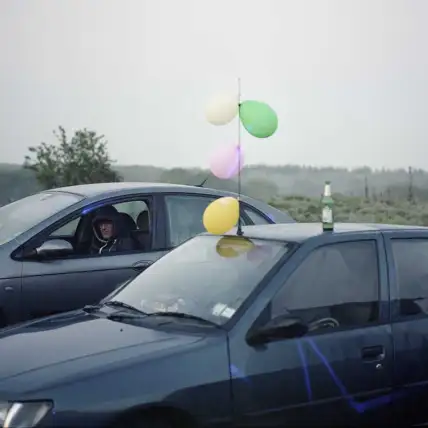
(327, 209)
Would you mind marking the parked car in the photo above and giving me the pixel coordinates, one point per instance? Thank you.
(285, 326)
(47, 260)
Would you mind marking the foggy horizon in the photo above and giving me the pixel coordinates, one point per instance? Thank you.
(348, 79)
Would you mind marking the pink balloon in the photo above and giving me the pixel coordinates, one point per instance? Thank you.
(227, 161)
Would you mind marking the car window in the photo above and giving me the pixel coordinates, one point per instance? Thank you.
(411, 263)
(184, 214)
(20, 216)
(132, 208)
(208, 276)
(131, 225)
(336, 283)
(68, 229)
(255, 217)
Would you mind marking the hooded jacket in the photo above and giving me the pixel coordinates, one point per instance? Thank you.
(120, 240)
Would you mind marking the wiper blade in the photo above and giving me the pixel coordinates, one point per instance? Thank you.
(122, 305)
(91, 308)
(183, 315)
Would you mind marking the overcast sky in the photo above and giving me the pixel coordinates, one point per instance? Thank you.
(348, 78)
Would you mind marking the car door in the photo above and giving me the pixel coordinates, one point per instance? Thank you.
(407, 254)
(10, 286)
(65, 283)
(339, 375)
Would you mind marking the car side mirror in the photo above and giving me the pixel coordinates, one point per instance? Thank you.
(280, 327)
(53, 248)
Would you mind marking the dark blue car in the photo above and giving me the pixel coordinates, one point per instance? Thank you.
(286, 326)
(51, 260)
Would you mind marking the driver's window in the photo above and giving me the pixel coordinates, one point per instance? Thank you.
(337, 283)
(131, 220)
(68, 230)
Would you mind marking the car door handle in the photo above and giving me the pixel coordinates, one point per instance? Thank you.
(373, 353)
(143, 264)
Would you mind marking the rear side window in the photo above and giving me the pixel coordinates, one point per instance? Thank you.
(255, 217)
(184, 216)
(411, 263)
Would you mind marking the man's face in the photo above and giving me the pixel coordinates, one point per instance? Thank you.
(106, 229)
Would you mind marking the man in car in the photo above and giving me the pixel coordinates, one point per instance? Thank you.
(110, 233)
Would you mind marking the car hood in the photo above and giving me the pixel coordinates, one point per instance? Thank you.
(77, 345)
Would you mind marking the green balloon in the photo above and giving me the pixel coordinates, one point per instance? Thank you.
(259, 119)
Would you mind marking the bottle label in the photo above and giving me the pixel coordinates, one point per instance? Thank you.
(327, 215)
(327, 190)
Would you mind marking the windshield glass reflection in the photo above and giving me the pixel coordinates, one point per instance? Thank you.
(209, 277)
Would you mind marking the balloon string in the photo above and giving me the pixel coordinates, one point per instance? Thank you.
(239, 231)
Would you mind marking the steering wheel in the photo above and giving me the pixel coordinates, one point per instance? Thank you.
(323, 323)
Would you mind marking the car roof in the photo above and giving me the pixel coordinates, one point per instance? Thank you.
(299, 232)
(95, 189)
(105, 190)
(101, 191)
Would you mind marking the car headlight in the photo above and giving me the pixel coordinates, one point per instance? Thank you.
(23, 414)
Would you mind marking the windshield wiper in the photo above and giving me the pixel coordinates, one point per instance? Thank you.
(183, 315)
(91, 308)
(122, 305)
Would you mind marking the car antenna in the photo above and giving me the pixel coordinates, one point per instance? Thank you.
(203, 182)
(239, 231)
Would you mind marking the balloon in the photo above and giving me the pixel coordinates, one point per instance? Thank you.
(221, 215)
(259, 119)
(233, 246)
(227, 161)
(222, 109)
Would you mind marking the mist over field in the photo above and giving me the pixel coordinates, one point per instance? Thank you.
(363, 194)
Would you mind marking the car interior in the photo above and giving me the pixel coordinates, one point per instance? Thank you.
(137, 226)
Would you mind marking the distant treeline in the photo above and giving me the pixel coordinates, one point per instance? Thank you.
(260, 181)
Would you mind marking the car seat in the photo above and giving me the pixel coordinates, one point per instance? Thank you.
(142, 234)
(128, 222)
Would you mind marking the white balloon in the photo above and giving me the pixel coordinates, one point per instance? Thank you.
(222, 109)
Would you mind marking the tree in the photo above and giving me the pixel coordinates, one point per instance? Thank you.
(82, 160)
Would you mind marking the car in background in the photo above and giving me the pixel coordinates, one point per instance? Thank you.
(45, 263)
(285, 326)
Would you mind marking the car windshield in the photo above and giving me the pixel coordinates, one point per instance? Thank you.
(207, 277)
(20, 216)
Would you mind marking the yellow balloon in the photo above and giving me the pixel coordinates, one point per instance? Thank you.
(221, 215)
(233, 246)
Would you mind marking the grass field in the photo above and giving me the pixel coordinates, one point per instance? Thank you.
(356, 209)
